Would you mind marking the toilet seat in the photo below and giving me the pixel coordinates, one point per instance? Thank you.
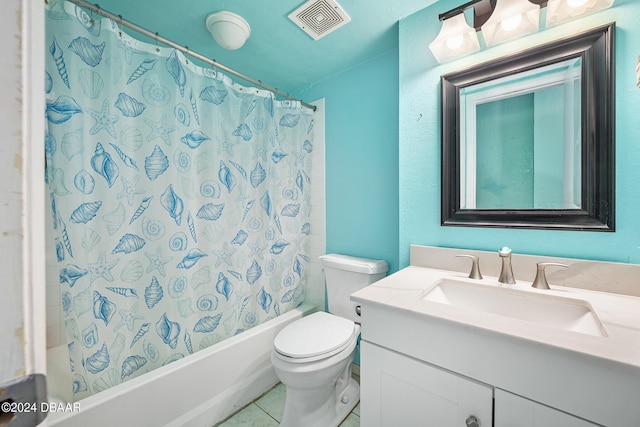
(329, 335)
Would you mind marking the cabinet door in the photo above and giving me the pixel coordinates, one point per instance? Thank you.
(397, 390)
(516, 411)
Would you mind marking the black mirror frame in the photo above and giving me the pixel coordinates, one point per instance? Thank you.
(596, 48)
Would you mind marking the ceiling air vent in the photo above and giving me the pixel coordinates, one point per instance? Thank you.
(319, 17)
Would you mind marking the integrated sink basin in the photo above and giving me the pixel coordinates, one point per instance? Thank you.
(533, 307)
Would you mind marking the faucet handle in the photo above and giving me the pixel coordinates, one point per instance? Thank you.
(540, 282)
(475, 266)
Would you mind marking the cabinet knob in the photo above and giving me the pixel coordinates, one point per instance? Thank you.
(358, 310)
(472, 421)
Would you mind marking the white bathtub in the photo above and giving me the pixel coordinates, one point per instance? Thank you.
(200, 390)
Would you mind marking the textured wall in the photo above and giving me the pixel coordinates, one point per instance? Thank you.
(362, 158)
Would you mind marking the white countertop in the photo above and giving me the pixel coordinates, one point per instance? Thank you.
(619, 315)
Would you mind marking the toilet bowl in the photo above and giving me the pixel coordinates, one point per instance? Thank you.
(313, 356)
(320, 390)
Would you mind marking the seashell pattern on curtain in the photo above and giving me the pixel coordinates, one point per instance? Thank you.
(180, 200)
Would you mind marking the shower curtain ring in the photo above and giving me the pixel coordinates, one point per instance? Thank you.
(157, 47)
(120, 27)
(187, 53)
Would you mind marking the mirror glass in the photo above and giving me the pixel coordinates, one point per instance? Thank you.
(528, 140)
(520, 140)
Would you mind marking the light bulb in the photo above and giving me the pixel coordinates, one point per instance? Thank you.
(512, 23)
(564, 10)
(455, 42)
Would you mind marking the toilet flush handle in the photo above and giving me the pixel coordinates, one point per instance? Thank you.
(358, 310)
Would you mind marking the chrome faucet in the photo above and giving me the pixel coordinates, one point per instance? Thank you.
(506, 274)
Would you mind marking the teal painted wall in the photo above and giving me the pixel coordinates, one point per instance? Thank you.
(419, 149)
(361, 151)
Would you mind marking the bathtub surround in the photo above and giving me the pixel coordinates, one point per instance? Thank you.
(180, 200)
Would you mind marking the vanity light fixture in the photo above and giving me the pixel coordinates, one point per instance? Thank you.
(502, 20)
(511, 19)
(456, 38)
(565, 10)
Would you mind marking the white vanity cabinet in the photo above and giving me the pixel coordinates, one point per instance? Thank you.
(397, 390)
(439, 348)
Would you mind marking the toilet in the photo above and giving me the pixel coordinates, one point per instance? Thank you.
(312, 356)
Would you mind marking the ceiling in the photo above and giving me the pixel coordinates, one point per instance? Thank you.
(278, 52)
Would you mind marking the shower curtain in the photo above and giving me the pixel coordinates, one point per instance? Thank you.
(180, 200)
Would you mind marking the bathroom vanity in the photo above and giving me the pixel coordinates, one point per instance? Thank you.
(441, 349)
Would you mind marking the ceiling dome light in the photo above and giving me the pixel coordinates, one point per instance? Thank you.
(456, 38)
(565, 10)
(511, 19)
(229, 30)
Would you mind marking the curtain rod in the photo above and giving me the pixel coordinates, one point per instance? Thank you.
(184, 49)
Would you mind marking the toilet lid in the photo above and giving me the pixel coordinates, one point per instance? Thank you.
(313, 335)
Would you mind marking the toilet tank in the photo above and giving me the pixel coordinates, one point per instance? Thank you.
(345, 275)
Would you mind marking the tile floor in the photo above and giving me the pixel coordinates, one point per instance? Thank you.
(267, 411)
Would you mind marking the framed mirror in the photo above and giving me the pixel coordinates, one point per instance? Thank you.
(528, 140)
